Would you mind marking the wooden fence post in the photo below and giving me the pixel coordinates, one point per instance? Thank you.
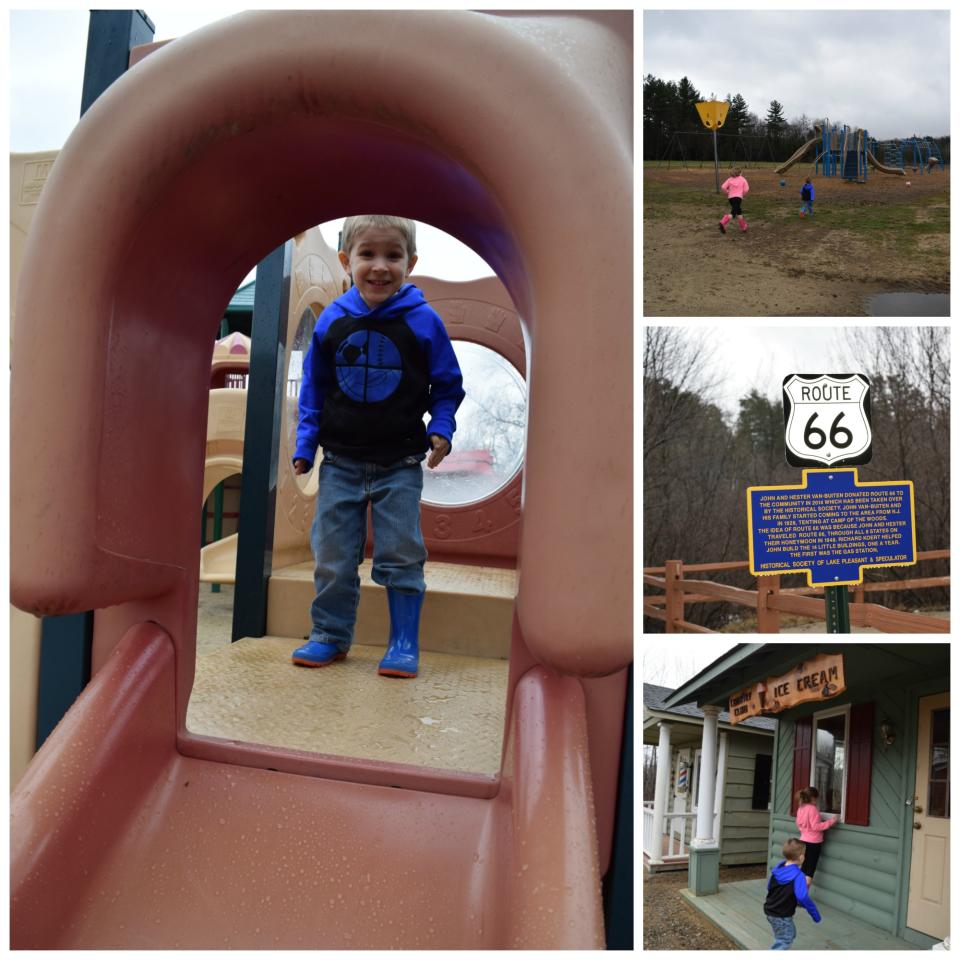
(673, 608)
(768, 618)
(859, 594)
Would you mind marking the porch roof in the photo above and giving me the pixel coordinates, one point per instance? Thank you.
(747, 663)
(654, 698)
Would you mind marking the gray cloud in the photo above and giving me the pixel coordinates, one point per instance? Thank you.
(885, 70)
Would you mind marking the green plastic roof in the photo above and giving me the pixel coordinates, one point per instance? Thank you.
(242, 300)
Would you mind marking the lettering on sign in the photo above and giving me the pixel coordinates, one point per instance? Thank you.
(827, 419)
(821, 678)
(831, 527)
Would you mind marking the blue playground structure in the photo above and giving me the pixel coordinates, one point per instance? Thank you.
(849, 152)
(921, 154)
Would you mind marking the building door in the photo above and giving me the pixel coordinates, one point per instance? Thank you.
(928, 905)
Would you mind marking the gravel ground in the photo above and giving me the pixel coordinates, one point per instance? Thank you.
(827, 265)
(670, 923)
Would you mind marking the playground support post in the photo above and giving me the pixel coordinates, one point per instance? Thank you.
(716, 162)
(837, 609)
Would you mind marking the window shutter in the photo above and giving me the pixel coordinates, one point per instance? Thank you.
(802, 738)
(763, 764)
(861, 757)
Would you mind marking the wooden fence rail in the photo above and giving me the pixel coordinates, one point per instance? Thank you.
(769, 600)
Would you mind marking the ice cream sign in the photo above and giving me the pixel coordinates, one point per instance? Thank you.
(818, 679)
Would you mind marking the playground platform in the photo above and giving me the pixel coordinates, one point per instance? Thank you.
(451, 716)
(738, 911)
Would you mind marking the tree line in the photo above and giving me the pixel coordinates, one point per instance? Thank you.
(670, 108)
(699, 461)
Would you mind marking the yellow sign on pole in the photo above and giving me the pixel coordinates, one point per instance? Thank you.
(713, 113)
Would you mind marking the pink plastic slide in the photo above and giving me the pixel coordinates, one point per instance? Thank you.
(130, 832)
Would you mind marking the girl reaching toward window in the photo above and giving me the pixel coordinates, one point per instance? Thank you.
(811, 828)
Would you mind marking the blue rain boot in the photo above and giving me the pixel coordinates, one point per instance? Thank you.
(403, 647)
(315, 653)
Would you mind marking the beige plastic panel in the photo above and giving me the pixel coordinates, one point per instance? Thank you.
(467, 610)
(317, 279)
(226, 422)
(218, 561)
(28, 174)
(24, 682)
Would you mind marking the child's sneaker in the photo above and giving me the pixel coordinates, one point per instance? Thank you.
(743, 229)
(723, 229)
(314, 653)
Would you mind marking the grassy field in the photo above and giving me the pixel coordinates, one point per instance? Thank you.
(878, 236)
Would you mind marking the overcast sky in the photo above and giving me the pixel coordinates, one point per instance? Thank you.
(884, 70)
(759, 357)
(673, 663)
(47, 55)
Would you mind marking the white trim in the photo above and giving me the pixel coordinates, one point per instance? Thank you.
(822, 715)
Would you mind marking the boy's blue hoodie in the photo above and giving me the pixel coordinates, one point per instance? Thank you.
(369, 376)
(806, 192)
(786, 888)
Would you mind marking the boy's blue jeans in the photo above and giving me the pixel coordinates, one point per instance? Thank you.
(339, 536)
(784, 932)
(806, 206)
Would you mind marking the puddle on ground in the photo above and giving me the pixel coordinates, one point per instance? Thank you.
(909, 305)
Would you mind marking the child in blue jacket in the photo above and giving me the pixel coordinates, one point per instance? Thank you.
(786, 888)
(379, 359)
(806, 198)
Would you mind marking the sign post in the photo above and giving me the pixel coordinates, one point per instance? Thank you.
(827, 423)
(713, 113)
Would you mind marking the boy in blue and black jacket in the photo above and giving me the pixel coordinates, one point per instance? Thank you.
(806, 198)
(379, 359)
(786, 888)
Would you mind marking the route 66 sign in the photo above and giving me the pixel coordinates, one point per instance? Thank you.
(827, 417)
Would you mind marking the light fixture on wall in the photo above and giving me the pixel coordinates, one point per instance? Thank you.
(888, 733)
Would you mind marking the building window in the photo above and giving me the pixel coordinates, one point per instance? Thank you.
(938, 801)
(828, 771)
(762, 772)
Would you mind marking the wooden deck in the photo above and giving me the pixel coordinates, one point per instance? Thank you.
(738, 910)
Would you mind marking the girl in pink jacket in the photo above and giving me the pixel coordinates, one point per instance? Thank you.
(811, 828)
(736, 188)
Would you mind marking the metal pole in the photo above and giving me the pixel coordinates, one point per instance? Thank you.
(838, 609)
(716, 162)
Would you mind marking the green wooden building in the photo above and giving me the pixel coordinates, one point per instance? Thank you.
(745, 763)
(878, 751)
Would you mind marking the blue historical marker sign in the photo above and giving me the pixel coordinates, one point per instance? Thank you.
(831, 527)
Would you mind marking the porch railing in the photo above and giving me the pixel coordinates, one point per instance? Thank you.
(674, 843)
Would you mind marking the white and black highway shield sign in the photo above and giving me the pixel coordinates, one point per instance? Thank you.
(827, 417)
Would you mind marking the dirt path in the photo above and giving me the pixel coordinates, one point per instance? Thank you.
(855, 245)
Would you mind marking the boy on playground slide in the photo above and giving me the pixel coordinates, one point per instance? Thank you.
(379, 359)
(786, 890)
(736, 188)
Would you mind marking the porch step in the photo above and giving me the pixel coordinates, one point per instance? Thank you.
(738, 911)
(467, 611)
(451, 716)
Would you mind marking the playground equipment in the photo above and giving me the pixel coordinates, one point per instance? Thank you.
(128, 829)
(842, 151)
(921, 154)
